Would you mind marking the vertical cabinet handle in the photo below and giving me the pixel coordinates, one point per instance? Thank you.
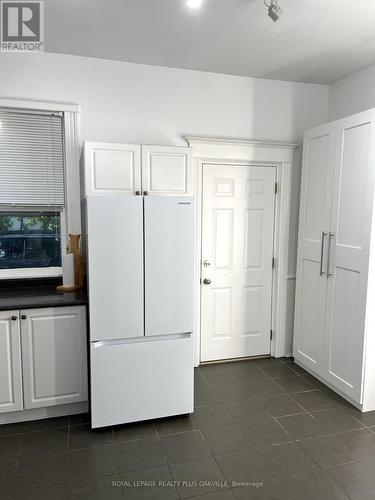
(331, 236)
(324, 234)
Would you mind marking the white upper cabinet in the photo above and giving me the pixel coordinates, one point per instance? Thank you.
(167, 170)
(131, 169)
(54, 356)
(10, 362)
(112, 168)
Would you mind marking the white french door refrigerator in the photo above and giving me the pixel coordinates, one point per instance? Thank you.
(140, 271)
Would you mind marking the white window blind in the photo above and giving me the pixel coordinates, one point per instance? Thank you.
(31, 159)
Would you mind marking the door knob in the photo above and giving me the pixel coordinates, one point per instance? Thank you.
(206, 281)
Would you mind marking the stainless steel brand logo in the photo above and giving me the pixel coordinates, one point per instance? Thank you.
(184, 203)
(22, 26)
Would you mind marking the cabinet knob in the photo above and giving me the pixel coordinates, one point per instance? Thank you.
(14, 318)
(138, 193)
(145, 193)
(23, 316)
(206, 281)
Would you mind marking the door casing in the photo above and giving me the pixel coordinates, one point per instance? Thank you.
(283, 156)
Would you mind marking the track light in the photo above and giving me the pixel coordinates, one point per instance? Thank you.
(274, 10)
(194, 4)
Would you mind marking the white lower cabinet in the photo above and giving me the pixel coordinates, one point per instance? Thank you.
(10, 362)
(43, 360)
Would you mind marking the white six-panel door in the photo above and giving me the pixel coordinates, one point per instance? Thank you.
(352, 205)
(314, 227)
(237, 252)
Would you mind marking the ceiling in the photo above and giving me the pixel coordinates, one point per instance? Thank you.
(316, 41)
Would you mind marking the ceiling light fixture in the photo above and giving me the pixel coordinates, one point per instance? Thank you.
(194, 4)
(274, 10)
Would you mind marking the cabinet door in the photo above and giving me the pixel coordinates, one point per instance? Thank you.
(314, 224)
(112, 168)
(347, 267)
(54, 356)
(167, 170)
(10, 362)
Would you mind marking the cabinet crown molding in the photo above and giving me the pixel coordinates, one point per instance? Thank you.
(193, 140)
(242, 149)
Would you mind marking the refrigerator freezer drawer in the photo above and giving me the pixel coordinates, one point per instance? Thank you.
(134, 381)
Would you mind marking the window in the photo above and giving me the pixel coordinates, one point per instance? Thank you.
(31, 193)
(30, 239)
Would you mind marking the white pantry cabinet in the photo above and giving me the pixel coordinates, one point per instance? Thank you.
(10, 362)
(335, 299)
(43, 357)
(132, 169)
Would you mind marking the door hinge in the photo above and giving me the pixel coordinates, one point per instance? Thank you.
(273, 262)
(271, 334)
(276, 187)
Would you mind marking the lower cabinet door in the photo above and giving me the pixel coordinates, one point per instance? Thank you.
(54, 356)
(10, 362)
(140, 380)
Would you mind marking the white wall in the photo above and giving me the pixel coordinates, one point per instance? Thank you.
(124, 102)
(139, 103)
(352, 94)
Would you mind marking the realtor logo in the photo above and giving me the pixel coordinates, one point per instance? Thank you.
(22, 24)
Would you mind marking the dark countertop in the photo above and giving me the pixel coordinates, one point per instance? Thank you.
(35, 293)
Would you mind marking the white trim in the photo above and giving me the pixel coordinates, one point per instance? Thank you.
(72, 151)
(39, 105)
(241, 152)
(30, 272)
(46, 412)
(244, 142)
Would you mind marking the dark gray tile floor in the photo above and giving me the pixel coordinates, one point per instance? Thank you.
(262, 429)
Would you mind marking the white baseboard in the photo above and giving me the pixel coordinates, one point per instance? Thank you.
(40, 413)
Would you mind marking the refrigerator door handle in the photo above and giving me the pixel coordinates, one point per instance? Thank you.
(134, 340)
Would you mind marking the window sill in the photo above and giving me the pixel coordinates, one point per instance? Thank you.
(32, 272)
